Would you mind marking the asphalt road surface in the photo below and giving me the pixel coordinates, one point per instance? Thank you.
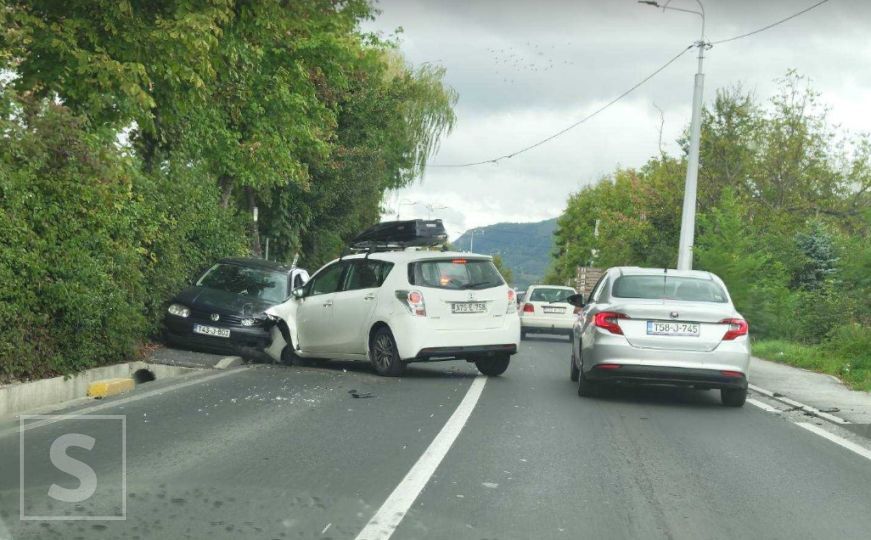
(273, 451)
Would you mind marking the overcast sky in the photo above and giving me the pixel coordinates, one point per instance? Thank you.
(525, 69)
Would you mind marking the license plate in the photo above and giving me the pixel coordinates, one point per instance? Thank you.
(658, 328)
(554, 309)
(211, 331)
(468, 307)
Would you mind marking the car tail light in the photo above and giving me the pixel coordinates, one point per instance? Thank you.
(414, 301)
(735, 374)
(737, 327)
(607, 320)
(528, 308)
(607, 366)
(512, 302)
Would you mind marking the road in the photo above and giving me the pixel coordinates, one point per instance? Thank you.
(285, 452)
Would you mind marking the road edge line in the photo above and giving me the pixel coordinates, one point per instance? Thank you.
(84, 411)
(764, 406)
(806, 408)
(383, 524)
(840, 441)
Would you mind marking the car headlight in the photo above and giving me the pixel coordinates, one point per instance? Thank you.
(179, 310)
(248, 321)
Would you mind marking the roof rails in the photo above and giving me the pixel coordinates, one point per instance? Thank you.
(398, 235)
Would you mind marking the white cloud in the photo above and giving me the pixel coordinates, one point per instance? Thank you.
(527, 69)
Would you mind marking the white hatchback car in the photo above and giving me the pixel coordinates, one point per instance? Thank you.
(396, 307)
(656, 326)
(546, 311)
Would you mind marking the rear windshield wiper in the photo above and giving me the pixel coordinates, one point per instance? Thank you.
(478, 284)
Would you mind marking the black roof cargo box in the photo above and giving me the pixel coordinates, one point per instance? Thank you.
(414, 232)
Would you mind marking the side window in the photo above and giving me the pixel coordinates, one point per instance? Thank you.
(327, 281)
(597, 289)
(366, 274)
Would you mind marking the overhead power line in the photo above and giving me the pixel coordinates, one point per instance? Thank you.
(624, 94)
(572, 126)
(772, 25)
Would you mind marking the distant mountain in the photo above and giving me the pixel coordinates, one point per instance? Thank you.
(525, 247)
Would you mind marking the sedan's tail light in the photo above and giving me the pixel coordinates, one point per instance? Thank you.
(607, 320)
(528, 308)
(512, 302)
(737, 327)
(413, 300)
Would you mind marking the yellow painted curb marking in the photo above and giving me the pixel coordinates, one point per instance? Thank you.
(110, 387)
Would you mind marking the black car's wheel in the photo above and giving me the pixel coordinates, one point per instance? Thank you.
(523, 334)
(493, 365)
(575, 372)
(733, 397)
(384, 354)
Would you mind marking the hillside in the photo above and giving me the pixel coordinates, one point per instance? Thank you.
(525, 247)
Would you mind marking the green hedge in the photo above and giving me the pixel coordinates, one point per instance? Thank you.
(90, 247)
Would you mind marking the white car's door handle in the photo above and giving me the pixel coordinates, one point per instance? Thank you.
(369, 297)
(328, 303)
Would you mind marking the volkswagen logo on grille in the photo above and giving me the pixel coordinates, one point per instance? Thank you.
(215, 317)
(674, 314)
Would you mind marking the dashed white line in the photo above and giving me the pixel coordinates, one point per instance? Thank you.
(764, 406)
(840, 441)
(389, 516)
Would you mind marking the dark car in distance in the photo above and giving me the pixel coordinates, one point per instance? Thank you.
(223, 310)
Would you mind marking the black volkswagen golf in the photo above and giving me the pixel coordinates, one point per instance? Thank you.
(223, 311)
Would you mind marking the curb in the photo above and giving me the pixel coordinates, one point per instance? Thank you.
(110, 387)
(228, 362)
(800, 406)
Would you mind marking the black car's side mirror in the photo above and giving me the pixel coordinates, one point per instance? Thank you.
(576, 300)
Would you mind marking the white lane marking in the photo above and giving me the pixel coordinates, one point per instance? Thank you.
(793, 403)
(114, 403)
(849, 445)
(764, 406)
(389, 516)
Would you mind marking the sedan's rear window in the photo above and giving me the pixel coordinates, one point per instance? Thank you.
(668, 288)
(550, 294)
(456, 273)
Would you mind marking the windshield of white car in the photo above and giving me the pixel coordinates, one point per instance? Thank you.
(232, 278)
(665, 287)
(455, 273)
(551, 295)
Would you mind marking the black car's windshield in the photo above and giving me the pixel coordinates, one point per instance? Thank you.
(232, 278)
(550, 294)
(669, 288)
(457, 273)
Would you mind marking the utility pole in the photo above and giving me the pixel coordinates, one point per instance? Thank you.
(472, 239)
(688, 213)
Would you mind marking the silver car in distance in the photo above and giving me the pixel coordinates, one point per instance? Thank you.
(660, 326)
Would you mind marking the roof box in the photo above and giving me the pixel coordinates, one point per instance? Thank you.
(415, 232)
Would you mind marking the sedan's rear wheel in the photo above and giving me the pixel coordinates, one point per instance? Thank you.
(493, 365)
(586, 387)
(384, 354)
(733, 397)
(575, 372)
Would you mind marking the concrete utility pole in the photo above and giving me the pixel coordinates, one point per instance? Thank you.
(472, 239)
(688, 214)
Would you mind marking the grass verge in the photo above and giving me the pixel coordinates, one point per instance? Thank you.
(854, 369)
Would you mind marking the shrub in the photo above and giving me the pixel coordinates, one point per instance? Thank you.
(90, 247)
